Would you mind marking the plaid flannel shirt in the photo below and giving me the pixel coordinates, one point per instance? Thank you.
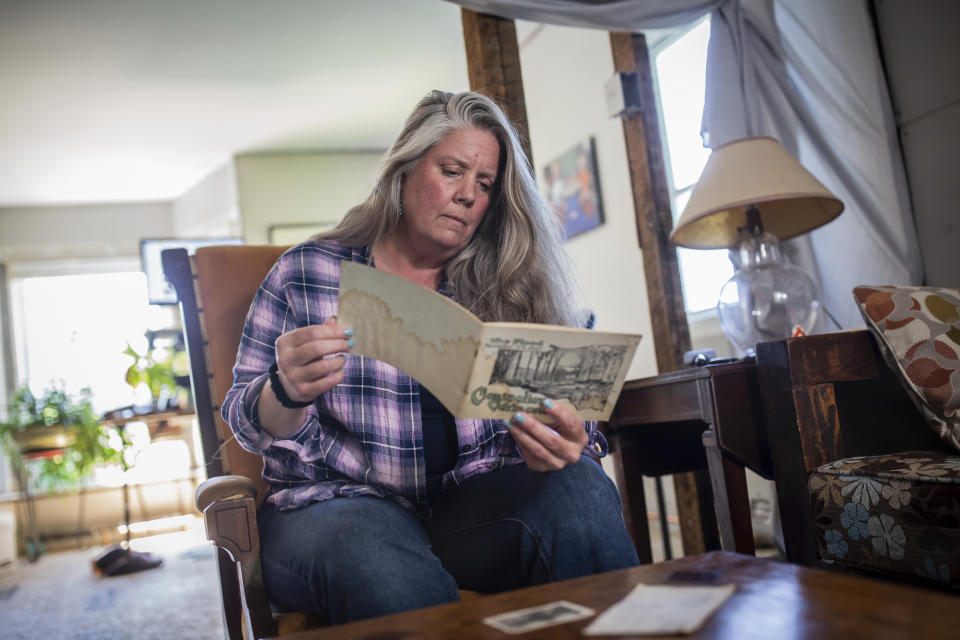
(363, 437)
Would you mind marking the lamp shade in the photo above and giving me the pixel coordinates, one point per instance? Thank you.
(757, 172)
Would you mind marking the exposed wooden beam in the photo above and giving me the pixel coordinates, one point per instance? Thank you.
(493, 66)
(651, 201)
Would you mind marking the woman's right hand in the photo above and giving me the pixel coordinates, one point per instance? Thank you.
(309, 363)
(310, 359)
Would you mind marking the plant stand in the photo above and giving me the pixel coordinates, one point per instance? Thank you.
(35, 443)
(34, 546)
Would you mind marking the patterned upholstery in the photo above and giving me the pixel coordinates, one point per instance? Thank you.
(918, 331)
(897, 514)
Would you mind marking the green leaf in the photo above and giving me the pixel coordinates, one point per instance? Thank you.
(133, 377)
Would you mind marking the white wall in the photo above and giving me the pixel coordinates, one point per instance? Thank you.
(921, 53)
(209, 209)
(299, 188)
(564, 70)
(89, 231)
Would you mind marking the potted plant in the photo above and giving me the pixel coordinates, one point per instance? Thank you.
(62, 433)
(162, 370)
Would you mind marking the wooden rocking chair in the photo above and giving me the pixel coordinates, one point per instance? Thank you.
(214, 289)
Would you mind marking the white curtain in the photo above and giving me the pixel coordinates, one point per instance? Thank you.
(609, 15)
(808, 73)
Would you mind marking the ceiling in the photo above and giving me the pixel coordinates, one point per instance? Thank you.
(138, 100)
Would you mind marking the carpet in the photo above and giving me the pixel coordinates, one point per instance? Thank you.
(59, 596)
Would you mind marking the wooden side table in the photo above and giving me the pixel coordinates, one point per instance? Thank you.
(706, 420)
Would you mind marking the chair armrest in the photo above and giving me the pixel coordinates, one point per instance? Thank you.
(229, 507)
(224, 488)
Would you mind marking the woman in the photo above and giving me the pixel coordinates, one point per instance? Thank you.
(379, 500)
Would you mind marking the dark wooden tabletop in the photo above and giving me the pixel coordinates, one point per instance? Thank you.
(772, 600)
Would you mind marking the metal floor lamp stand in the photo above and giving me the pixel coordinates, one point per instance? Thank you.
(121, 559)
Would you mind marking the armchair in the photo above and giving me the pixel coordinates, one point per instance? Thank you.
(214, 289)
(862, 482)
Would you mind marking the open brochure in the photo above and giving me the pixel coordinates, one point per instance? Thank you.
(481, 369)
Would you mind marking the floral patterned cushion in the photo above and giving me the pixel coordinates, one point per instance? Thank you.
(896, 514)
(918, 330)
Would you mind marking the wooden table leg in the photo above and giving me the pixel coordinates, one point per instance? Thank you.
(630, 483)
(698, 520)
(729, 483)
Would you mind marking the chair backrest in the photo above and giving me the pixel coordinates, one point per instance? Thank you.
(215, 288)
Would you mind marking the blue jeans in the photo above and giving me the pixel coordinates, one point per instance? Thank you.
(353, 558)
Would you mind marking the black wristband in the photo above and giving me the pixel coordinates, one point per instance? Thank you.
(281, 393)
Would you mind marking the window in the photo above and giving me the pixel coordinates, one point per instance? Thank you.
(72, 321)
(72, 329)
(679, 70)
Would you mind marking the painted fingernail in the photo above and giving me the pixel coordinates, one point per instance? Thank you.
(548, 403)
(348, 332)
(350, 343)
(519, 417)
(508, 424)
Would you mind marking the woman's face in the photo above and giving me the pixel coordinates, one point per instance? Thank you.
(447, 193)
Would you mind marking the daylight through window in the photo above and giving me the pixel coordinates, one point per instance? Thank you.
(679, 66)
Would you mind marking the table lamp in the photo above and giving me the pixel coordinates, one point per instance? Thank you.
(751, 195)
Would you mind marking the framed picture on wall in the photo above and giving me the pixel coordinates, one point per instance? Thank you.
(572, 187)
(295, 233)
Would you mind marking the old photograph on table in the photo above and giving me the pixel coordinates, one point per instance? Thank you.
(538, 617)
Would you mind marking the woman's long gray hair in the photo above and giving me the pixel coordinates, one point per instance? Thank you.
(515, 268)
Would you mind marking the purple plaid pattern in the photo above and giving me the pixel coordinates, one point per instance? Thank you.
(363, 437)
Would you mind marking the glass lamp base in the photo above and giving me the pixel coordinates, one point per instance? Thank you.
(766, 300)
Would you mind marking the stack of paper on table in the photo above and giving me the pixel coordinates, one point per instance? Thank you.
(660, 610)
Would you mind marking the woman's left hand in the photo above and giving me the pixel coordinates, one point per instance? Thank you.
(549, 448)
